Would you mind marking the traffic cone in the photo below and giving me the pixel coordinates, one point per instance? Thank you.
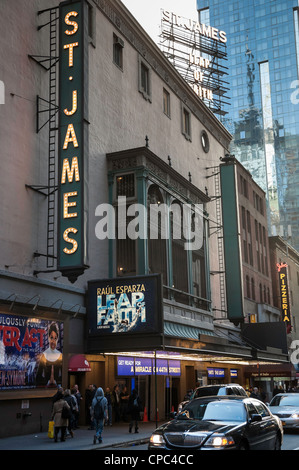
(145, 419)
(172, 409)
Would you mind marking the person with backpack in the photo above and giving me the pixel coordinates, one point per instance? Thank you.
(134, 408)
(99, 413)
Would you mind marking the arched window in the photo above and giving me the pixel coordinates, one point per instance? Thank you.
(180, 278)
(157, 252)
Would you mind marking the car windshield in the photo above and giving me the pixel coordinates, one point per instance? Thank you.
(214, 411)
(206, 391)
(285, 400)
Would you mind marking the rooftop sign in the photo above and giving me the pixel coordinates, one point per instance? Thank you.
(195, 50)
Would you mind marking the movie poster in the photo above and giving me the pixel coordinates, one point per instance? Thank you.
(30, 352)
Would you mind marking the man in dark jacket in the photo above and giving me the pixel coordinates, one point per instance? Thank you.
(134, 408)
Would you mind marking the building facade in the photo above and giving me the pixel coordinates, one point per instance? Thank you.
(97, 128)
(262, 59)
(258, 294)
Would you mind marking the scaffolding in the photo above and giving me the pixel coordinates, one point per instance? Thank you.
(179, 44)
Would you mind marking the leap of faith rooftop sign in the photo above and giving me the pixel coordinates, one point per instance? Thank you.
(195, 50)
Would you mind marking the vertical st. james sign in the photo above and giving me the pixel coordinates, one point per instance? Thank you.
(73, 139)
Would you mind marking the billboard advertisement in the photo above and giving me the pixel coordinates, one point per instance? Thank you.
(125, 307)
(31, 351)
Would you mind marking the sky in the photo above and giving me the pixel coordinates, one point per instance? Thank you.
(148, 12)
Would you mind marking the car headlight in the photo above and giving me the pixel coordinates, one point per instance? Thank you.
(157, 439)
(220, 441)
(295, 416)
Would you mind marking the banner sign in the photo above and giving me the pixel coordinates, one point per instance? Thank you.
(125, 306)
(215, 373)
(284, 292)
(30, 352)
(232, 244)
(130, 366)
(73, 141)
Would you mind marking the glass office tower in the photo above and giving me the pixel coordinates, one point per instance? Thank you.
(263, 117)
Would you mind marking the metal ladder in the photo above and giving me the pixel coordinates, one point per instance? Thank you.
(53, 127)
(220, 248)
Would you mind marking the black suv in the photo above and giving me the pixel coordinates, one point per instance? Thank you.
(211, 390)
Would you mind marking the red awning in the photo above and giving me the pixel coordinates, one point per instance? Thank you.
(79, 363)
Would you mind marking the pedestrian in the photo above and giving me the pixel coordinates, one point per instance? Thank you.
(116, 403)
(109, 405)
(134, 408)
(124, 401)
(78, 397)
(59, 390)
(99, 413)
(60, 422)
(72, 402)
(89, 394)
(255, 393)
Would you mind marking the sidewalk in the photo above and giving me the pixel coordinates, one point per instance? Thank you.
(114, 435)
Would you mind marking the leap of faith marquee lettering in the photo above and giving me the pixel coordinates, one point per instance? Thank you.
(72, 140)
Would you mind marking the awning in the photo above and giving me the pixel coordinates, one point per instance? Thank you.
(271, 370)
(79, 363)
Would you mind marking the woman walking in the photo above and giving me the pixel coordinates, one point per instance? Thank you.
(60, 422)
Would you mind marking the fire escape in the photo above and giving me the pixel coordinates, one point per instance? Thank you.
(49, 108)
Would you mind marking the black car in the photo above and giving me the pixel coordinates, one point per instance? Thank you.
(209, 390)
(227, 422)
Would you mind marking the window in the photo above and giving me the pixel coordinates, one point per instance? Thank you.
(186, 123)
(157, 251)
(179, 254)
(205, 141)
(125, 185)
(247, 287)
(166, 102)
(145, 79)
(118, 46)
(253, 289)
(125, 247)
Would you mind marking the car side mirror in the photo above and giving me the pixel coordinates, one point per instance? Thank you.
(255, 418)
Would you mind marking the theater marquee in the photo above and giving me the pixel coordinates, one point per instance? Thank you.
(73, 139)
